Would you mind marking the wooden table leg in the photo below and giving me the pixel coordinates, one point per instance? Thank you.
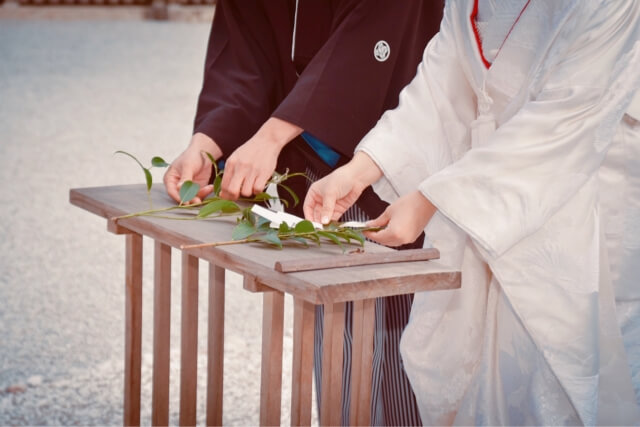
(271, 375)
(332, 347)
(215, 361)
(133, 329)
(302, 372)
(189, 341)
(161, 335)
(362, 362)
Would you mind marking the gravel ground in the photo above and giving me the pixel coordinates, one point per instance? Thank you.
(72, 93)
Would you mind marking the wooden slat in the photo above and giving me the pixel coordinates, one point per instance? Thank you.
(189, 341)
(354, 259)
(332, 343)
(161, 335)
(133, 329)
(215, 361)
(362, 362)
(301, 375)
(271, 374)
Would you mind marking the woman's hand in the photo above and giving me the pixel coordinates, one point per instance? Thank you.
(331, 196)
(403, 220)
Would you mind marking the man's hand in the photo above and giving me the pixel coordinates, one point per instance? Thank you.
(403, 220)
(330, 197)
(251, 165)
(192, 165)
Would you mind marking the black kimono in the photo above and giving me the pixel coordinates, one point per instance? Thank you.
(331, 67)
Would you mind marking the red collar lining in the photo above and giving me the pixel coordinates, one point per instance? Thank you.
(476, 33)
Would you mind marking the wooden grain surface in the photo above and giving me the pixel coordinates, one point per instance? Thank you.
(302, 370)
(271, 367)
(356, 258)
(133, 330)
(189, 341)
(332, 355)
(317, 287)
(362, 362)
(161, 335)
(215, 344)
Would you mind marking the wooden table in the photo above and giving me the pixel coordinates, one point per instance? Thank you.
(330, 287)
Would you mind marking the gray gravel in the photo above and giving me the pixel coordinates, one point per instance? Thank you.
(72, 93)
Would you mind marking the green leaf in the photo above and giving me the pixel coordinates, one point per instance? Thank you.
(313, 237)
(332, 237)
(284, 228)
(242, 231)
(300, 240)
(210, 157)
(148, 178)
(263, 223)
(217, 184)
(261, 197)
(270, 238)
(220, 205)
(292, 193)
(130, 155)
(159, 162)
(147, 174)
(343, 236)
(213, 162)
(247, 215)
(304, 227)
(354, 234)
(188, 191)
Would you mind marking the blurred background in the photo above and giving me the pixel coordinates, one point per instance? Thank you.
(80, 79)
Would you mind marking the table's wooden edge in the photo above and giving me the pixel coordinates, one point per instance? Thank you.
(81, 200)
(285, 282)
(214, 255)
(399, 286)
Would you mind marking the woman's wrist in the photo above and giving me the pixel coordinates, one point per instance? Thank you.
(363, 169)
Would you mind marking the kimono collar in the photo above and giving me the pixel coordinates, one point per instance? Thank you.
(522, 52)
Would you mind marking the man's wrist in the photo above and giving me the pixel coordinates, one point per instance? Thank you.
(279, 132)
(203, 142)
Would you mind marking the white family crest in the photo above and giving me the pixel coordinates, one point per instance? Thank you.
(381, 51)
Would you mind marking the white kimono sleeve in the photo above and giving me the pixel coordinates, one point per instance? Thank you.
(533, 164)
(428, 130)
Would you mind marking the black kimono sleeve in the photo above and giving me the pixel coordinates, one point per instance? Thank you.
(242, 77)
(344, 89)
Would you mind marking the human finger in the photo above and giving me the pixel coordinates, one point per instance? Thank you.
(205, 191)
(328, 207)
(309, 204)
(171, 179)
(246, 189)
(231, 182)
(261, 181)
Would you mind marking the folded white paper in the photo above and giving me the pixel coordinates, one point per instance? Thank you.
(278, 218)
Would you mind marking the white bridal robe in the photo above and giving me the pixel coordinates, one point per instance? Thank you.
(534, 166)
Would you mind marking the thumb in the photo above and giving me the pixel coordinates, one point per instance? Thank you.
(381, 221)
(205, 191)
(328, 206)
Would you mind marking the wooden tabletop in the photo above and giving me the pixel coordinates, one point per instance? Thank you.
(257, 260)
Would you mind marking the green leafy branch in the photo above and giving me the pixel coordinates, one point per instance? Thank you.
(250, 227)
(253, 228)
(213, 206)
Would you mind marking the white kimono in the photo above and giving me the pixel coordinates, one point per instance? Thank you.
(535, 170)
